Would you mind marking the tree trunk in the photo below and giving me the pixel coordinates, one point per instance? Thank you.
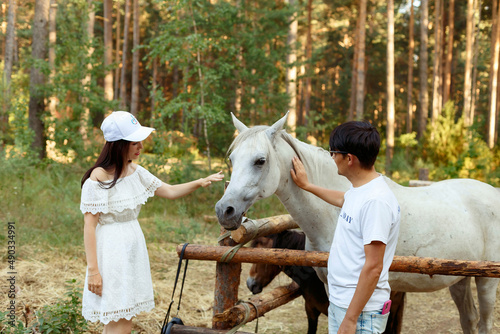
(390, 87)
(308, 87)
(50, 131)
(494, 17)
(354, 76)
(134, 104)
(85, 118)
(3, 26)
(360, 67)
(123, 83)
(475, 52)
(436, 78)
(411, 47)
(238, 87)
(449, 52)
(108, 49)
(424, 94)
(291, 72)
(468, 64)
(10, 36)
(37, 78)
(116, 82)
(494, 85)
(202, 97)
(52, 52)
(154, 80)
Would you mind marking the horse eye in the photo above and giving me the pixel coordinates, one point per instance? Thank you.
(260, 162)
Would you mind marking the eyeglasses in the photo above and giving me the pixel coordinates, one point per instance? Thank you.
(332, 153)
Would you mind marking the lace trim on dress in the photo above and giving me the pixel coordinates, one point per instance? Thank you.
(106, 317)
(95, 198)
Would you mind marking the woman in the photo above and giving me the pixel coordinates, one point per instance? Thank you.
(118, 282)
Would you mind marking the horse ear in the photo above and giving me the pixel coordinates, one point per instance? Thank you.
(238, 124)
(276, 127)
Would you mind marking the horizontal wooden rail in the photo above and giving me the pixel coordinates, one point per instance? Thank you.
(264, 302)
(255, 228)
(286, 257)
(180, 329)
(289, 257)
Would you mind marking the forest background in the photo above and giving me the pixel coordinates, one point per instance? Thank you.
(425, 73)
(182, 66)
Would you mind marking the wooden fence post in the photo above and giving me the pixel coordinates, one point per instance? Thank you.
(227, 282)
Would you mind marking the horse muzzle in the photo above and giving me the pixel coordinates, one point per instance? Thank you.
(254, 286)
(229, 217)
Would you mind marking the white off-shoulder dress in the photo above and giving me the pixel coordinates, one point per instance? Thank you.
(122, 256)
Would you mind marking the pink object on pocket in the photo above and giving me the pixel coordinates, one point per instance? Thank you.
(387, 307)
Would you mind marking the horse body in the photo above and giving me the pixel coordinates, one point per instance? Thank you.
(446, 220)
(453, 219)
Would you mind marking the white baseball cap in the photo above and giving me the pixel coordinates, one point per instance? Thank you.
(124, 125)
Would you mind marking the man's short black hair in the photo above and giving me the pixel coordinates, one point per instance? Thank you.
(358, 138)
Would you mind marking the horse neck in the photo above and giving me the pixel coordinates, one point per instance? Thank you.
(290, 239)
(315, 217)
(321, 168)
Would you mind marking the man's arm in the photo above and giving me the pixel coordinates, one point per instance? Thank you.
(368, 279)
(299, 176)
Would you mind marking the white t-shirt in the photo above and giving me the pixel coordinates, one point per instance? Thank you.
(370, 213)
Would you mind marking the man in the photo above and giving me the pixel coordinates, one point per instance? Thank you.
(366, 234)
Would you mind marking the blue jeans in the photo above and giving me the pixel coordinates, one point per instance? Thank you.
(368, 322)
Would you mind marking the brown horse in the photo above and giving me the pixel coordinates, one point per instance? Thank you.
(313, 289)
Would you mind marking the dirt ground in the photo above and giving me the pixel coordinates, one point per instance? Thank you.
(40, 281)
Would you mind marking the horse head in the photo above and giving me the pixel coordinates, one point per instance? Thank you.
(261, 157)
(256, 171)
(261, 274)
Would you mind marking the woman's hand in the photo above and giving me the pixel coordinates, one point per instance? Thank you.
(95, 283)
(205, 182)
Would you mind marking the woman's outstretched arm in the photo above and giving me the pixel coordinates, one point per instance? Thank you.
(183, 189)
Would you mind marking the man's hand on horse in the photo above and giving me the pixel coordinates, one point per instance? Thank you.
(299, 174)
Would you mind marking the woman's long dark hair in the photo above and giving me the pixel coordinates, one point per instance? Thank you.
(111, 157)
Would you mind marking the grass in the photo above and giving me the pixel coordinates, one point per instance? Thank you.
(44, 203)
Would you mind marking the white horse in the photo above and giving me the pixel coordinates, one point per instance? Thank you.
(453, 219)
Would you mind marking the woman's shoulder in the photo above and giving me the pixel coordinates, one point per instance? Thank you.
(138, 168)
(100, 174)
(135, 166)
(146, 176)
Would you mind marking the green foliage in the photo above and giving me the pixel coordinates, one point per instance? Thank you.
(62, 317)
(23, 134)
(43, 198)
(407, 140)
(11, 325)
(456, 151)
(446, 140)
(218, 47)
(76, 96)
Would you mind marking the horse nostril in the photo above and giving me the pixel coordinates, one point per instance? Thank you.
(229, 211)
